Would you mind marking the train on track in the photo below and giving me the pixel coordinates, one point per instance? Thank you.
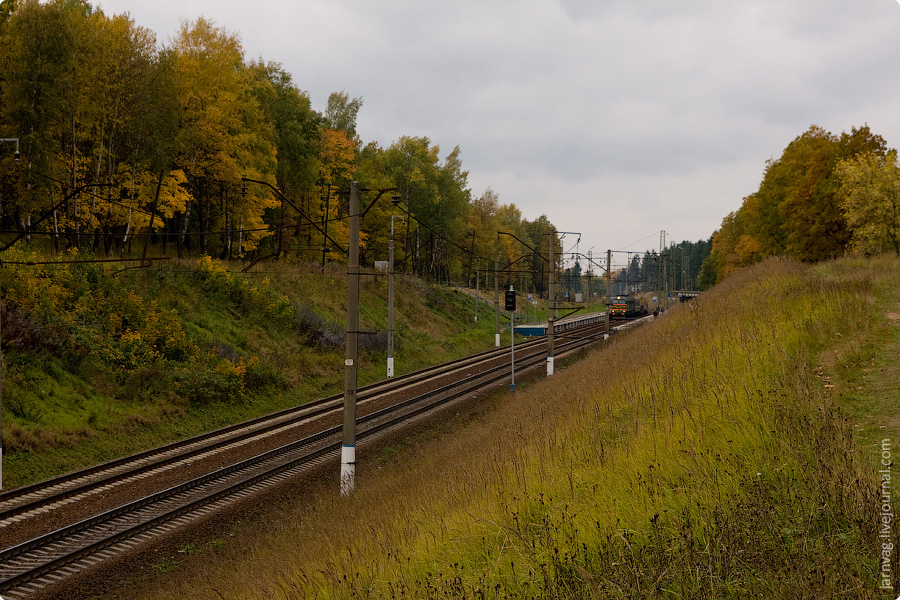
(627, 306)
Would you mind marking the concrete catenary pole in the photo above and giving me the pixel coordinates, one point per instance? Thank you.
(390, 349)
(325, 227)
(662, 265)
(551, 305)
(512, 347)
(497, 296)
(607, 316)
(348, 449)
(477, 282)
(666, 278)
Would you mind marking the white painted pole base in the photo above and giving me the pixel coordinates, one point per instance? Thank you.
(497, 340)
(348, 469)
(390, 366)
(549, 365)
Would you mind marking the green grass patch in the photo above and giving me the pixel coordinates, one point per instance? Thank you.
(864, 370)
(99, 364)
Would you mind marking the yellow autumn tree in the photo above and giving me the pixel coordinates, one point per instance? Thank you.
(223, 135)
(337, 165)
(870, 200)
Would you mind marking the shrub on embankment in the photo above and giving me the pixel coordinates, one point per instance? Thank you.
(697, 457)
(101, 361)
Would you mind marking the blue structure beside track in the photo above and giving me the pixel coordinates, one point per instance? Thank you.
(565, 324)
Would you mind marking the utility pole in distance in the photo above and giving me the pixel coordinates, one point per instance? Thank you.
(606, 317)
(390, 349)
(665, 281)
(497, 298)
(477, 282)
(510, 298)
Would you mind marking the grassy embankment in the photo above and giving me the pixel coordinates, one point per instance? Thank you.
(710, 454)
(99, 364)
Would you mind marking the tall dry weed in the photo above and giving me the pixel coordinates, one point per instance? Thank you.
(696, 457)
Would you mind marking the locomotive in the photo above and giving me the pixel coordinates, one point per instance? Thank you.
(627, 306)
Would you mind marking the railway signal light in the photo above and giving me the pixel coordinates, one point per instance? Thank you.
(510, 299)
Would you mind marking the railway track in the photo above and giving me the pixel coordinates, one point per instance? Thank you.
(40, 497)
(45, 558)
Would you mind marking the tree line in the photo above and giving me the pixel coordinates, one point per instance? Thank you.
(826, 196)
(679, 264)
(129, 146)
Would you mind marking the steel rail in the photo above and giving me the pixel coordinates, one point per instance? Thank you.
(43, 493)
(330, 443)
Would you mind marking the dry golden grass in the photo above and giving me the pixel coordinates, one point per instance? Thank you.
(697, 457)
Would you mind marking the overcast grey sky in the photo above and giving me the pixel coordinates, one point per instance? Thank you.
(615, 118)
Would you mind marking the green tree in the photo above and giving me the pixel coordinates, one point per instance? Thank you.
(341, 113)
(453, 208)
(412, 164)
(803, 185)
(813, 227)
(37, 57)
(538, 236)
(482, 224)
(337, 166)
(223, 135)
(91, 100)
(116, 70)
(708, 272)
(870, 199)
(732, 249)
(297, 133)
